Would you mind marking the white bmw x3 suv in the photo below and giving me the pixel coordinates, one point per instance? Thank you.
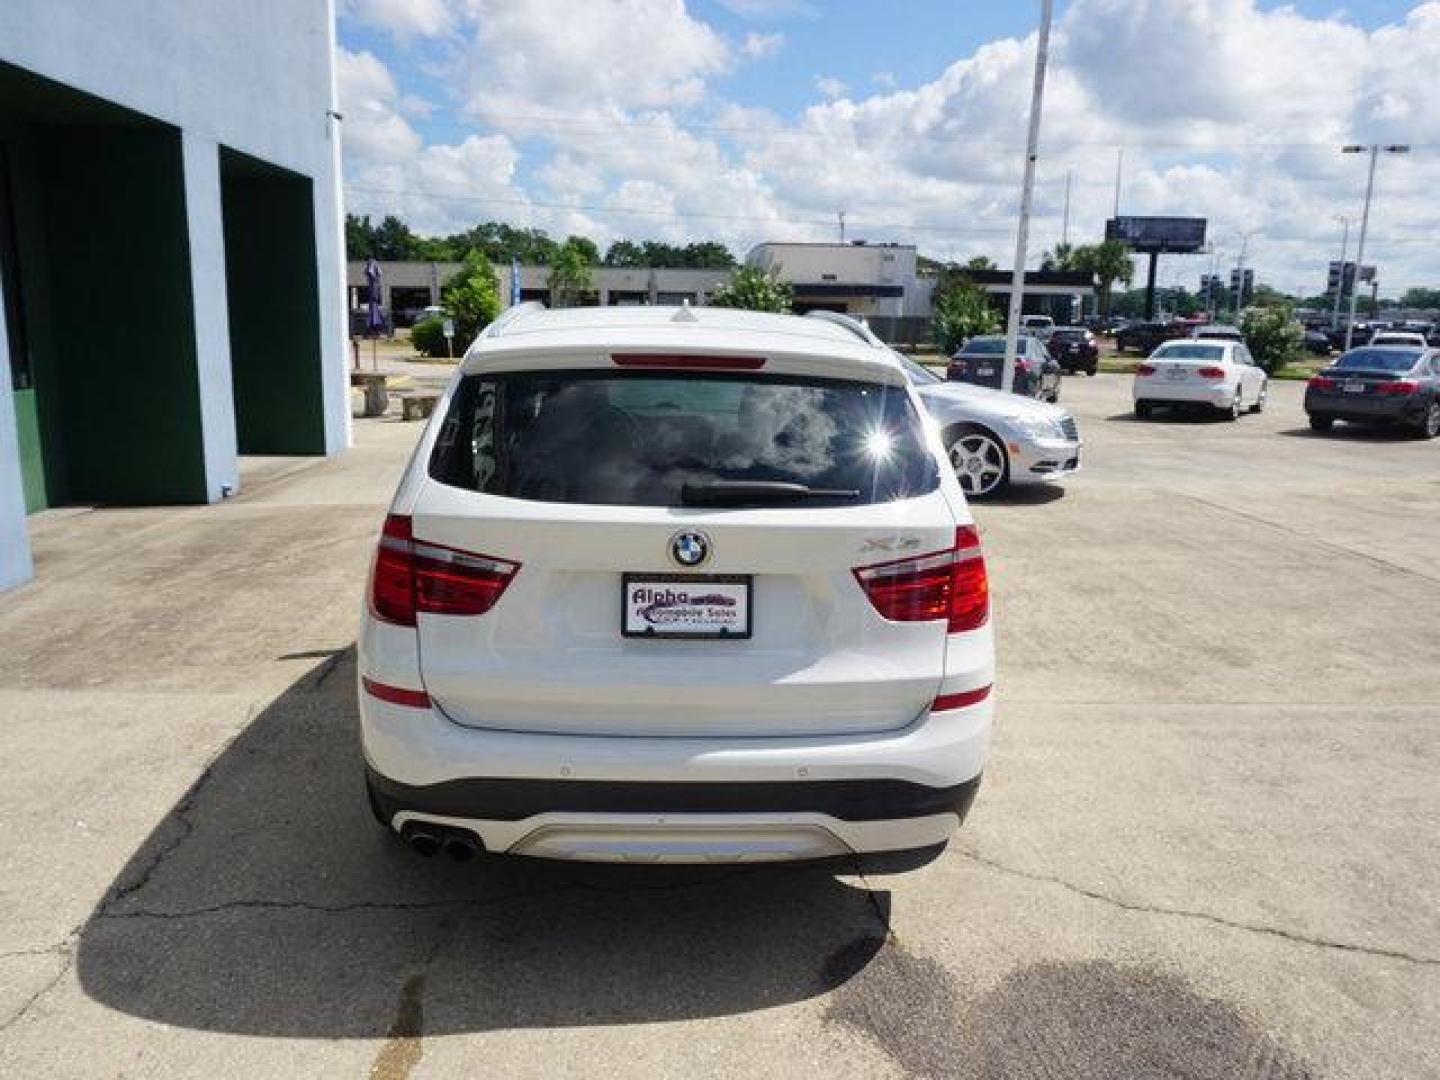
(663, 584)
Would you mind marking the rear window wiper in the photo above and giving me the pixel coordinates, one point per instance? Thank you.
(758, 493)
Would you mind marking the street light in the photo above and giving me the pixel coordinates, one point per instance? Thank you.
(1374, 148)
(1240, 270)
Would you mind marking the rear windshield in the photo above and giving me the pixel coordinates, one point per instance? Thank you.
(1379, 359)
(1190, 352)
(658, 438)
(1068, 335)
(985, 347)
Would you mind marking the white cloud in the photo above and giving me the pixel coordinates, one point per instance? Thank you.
(884, 79)
(759, 46)
(525, 60)
(829, 86)
(404, 18)
(1226, 111)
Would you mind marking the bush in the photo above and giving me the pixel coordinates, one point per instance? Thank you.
(472, 297)
(428, 337)
(753, 289)
(1273, 336)
(961, 312)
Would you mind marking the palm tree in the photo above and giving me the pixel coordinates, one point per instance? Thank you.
(1110, 262)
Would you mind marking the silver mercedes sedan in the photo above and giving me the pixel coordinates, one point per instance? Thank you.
(994, 438)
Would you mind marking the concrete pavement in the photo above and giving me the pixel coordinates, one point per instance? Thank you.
(1205, 846)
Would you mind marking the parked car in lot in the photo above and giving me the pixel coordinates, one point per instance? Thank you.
(995, 439)
(1317, 342)
(1144, 337)
(1398, 337)
(1219, 375)
(1379, 384)
(1038, 325)
(981, 361)
(676, 585)
(1074, 349)
(1217, 332)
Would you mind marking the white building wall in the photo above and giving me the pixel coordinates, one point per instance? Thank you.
(201, 162)
(257, 77)
(15, 566)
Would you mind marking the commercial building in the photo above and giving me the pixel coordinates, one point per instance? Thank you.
(408, 287)
(171, 247)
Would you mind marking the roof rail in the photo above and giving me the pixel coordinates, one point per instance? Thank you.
(510, 315)
(855, 326)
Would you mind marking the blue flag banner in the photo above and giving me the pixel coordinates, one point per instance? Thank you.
(514, 280)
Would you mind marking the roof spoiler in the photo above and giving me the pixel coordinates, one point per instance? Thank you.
(857, 327)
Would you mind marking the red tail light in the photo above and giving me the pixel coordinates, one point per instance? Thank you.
(411, 576)
(1021, 364)
(688, 360)
(1211, 373)
(1399, 386)
(1322, 382)
(1145, 369)
(950, 585)
(961, 700)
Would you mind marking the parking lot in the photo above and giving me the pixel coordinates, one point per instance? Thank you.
(1205, 845)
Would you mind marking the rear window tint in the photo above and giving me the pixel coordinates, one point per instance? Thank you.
(1379, 360)
(636, 438)
(1190, 352)
(985, 347)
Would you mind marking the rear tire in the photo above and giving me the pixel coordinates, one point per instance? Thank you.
(1321, 423)
(1259, 405)
(1093, 369)
(1144, 410)
(1231, 412)
(1429, 426)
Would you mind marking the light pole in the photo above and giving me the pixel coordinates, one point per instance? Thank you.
(1027, 191)
(1340, 281)
(1374, 148)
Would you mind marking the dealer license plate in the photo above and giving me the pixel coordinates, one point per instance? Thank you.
(985, 372)
(1353, 386)
(685, 606)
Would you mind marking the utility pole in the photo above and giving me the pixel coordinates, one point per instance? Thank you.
(1027, 193)
(1374, 148)
(1340, 281)
(1240, 272)
(1065, 221)
(841, 215)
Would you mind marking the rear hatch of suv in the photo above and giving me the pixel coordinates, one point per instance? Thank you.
(680, 546)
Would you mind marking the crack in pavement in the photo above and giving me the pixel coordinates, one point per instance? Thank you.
(181, 814)
(65, 948)
(1204, 916)
(1320, 542)
(262, 904)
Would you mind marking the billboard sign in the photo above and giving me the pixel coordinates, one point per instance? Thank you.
(1158, 234)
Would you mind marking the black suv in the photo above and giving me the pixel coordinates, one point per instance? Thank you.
(1075, 349)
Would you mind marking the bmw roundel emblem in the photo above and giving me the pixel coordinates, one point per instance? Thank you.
(690, 548)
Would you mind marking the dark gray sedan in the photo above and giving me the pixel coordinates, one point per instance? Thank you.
(982, 359)
(1379, 384)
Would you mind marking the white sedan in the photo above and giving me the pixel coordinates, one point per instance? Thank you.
(1219, 374)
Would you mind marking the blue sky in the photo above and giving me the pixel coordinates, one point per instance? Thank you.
(756, 119)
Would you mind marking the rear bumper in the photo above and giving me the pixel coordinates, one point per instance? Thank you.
(1163, 391)
(1377, 408)
(679, 822)
(677, 799)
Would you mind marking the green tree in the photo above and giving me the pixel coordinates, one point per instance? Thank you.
(472, 298)
(359, 237)
(394, 241)
(962, 310)
(980, 262)
(1110, 262)
(624, 253)
(1420, 298)
(753, 289)
(1273, 335)
(1062, 258)
(570, 272)
(709, 255)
